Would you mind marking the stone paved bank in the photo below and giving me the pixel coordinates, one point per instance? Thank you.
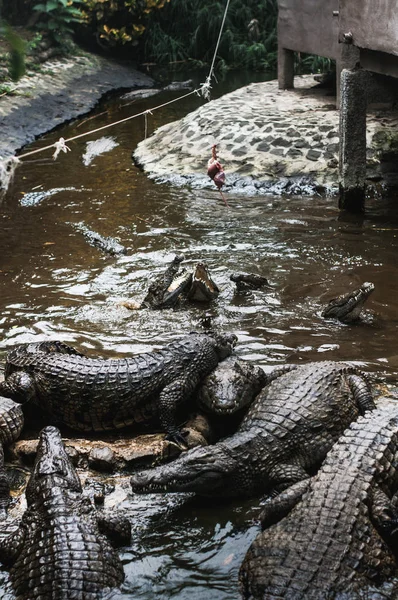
(268, 140)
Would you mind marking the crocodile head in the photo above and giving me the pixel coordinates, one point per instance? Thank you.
(179, 284)
(249, 281)
(203, 288)
(347, 308)
(207, 471)
(224, 343)
(165, 288)
(232, 385)
(52, 468)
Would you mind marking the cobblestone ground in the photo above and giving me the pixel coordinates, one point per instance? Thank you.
(265, 137)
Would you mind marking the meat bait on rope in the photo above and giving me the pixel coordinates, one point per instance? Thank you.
(216, 172)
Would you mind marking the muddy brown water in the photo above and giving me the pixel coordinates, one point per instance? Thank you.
(53, 285)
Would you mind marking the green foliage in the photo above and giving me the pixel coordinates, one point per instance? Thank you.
(118, 22)
(56, 18)
(6, 89)
(189, 29)
(34, 43)
(16, 66)
(311, 63)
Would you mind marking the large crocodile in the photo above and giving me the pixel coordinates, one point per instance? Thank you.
(347, 308)
(60, 550)
(283, 438)
(340, 540)
(94, 394)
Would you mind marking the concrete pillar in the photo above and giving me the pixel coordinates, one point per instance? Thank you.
(348, 57)
(352, 156)
(285, 68)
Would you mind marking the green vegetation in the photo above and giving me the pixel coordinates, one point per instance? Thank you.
(310, 63)
(56, 18)
(16, 51)
(187, 30)
(164, 32)
(118, 22)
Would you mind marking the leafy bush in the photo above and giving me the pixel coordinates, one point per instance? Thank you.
(118, 22)
(16, 55)
(56, 18)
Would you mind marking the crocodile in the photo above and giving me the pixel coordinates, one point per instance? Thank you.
(94, 394)
(107, 244)
(60, 549)
(11, 420)
(283, 438)
(202, 288)
(334, 536)
(347, 307)
(246, 282)
(167, 289)
(231, 386)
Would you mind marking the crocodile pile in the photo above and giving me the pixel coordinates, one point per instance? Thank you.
(283, 438)
(340, 540)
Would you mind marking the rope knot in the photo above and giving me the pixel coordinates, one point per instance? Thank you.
(60, 146)
(205, 88)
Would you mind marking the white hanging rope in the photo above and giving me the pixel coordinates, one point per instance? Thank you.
(146, 113)
(206, 87)
(76, 137)
(9, 165)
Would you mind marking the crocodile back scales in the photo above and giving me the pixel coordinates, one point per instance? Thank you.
(64, 556)
(299, 415)
(98, 394)
(329, 539)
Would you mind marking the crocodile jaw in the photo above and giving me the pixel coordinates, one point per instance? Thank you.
(347, 308)
(207, 471)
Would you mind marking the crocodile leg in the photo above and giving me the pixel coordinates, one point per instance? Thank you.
(284, 475)
(11, 546)
(172, 395)
(361, 392)
(116, 528)
(277, 508)
(19, 386)
(384, 514)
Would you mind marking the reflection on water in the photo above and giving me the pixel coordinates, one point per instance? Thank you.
(56, 286)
